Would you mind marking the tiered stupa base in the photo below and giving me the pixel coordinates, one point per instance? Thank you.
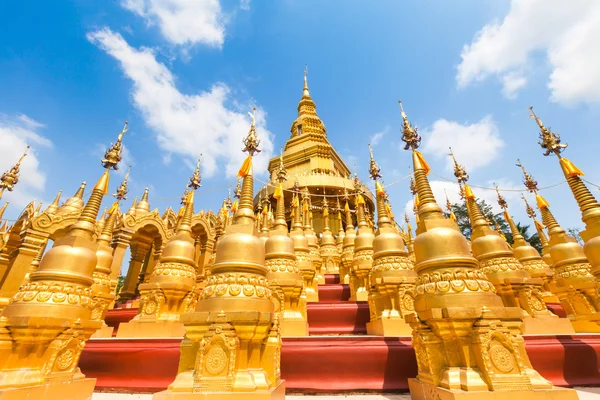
(80, 389)
(547, 326)
(338, 356)
(426, 391)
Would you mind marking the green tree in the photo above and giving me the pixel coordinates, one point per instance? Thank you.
(464, 224)
(575, 233)
(120, 283)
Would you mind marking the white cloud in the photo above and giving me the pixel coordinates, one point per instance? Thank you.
(375, 138)
(183, 22)
(15, 134)
(245, 4)
(187, 124)
(474, 145)
(568, 33)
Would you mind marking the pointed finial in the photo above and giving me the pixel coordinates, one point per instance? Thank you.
(406, 218)
(448, 204)
(413, 185)
(237, 193)
(528, 180)
(282, 175)
(530, 211)
(196, 179)
(122, 189)
(53, 207)
(373, 167)
(549, 141)
(251, 141)
(410, 134)
(501, 200)
(3, 209)
(10, 178)
(459, 171)
(112, 157)
(305, 90)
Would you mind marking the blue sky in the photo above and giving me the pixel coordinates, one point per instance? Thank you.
(184, 74)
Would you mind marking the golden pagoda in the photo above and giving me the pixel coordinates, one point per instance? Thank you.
(44, 328)
(588, 205)
(169, 291)
(392, 277)
(309, 155)
(511, 279)
(528, 256)
(347, 259)
(283, 274)
(466, 342)
(232, 344)
(573, 283)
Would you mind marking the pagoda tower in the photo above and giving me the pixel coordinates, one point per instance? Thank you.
(309, 156)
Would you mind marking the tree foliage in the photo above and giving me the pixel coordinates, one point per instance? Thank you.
(464, 224)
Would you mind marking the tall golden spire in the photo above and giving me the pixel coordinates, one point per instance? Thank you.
(121, 193)
(196, 179)
(10, 178)
(576, 294)
(588, 205)
(308, 122)
(67, 268)
(443, 256)
(112, 157)
(53, 207)
(539, 227)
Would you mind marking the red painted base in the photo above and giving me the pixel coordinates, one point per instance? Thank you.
(329, 364)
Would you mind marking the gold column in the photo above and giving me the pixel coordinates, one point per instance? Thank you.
(232, 344)
(363, 252)
(283, 274)
(329, 254)
(301, 249)
(170, 290)
(339, 240)
(139, 248)
(588, 205)
(392, 278)
(47, 323)
(467, 343)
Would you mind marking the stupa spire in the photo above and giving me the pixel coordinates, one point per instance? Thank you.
(112, 157)
(122, 190)
(3, 209)
(53, 207)
(10, 178)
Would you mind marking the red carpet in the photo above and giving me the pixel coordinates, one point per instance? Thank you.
(329, 364)
(338, 318)
(334, 293)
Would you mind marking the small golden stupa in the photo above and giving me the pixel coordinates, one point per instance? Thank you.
(232, 344)
(573, 283)
(392, 277)
(313, 241)
(347, 259)
(588, 205)
(513, 283)
(284, 276)
(329, 253)
(301, 249)
(45, 326)
(466, 342)
(169, 291)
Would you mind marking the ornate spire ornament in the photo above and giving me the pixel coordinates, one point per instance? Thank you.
(449, 208)
(392, 277)
(113, 157)
(196, 179)
(285, 279)
(10, 178)
(54, 207)
(48, 321)
(588, 204)
(458, 317)
(75, 203)
(363, 243)
(237, 300)
(512, 280)
(121, 193)
(575, 291)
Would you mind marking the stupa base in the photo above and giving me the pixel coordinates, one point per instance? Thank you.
(80, 389)
(105, 331)
(547, 326)
(389, 327)
(582, 326)
(150, 329)
(426, 391)
(276, 393)
(294, 327)
(360, 295)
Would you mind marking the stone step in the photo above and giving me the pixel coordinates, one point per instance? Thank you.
(338, 318)
(334, 292)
